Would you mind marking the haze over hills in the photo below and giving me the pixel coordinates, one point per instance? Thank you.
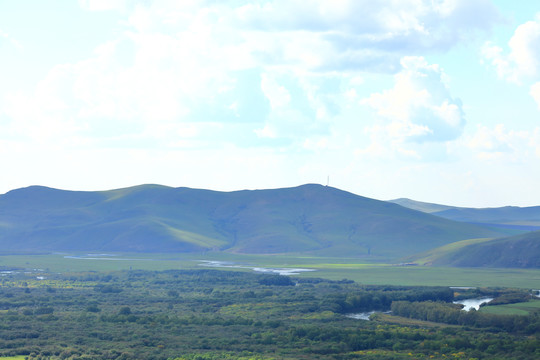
(525, 218)
(309, 219)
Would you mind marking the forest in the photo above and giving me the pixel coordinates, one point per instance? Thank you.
(217, 314)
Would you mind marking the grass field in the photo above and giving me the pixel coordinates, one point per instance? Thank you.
(523, 308)
(364, 271)
(432, 255)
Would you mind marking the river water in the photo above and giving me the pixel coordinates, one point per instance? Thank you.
(360, 316)
(469, 304)
(279, 271)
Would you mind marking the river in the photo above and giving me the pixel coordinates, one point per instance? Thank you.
(361, 316)
(469, 304)
(279, 271)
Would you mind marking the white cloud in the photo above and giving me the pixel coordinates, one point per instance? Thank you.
(491, 143)
(304, 104)
(41, 116)
(501, 145)
(418, 109)
(386, 17)
(317, 35)
(267, 63)
(522, 62)
(362, 34)
(276, 94)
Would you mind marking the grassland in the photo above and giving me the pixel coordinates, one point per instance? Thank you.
(518, 251)
(432, 255)
(524, 308)
(364, 271)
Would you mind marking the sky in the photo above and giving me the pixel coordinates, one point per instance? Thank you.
(433, 100)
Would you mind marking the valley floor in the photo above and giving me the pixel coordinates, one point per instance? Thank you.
(362, 270)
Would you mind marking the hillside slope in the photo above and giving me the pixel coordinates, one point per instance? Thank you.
(151, 218)
(421, 206)
(520, 251)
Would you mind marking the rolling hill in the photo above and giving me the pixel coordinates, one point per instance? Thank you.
(421, 206)
(520, 251)
(151, 218)
(524, 218)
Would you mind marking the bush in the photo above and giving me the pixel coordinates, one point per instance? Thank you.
(277, 280)
(124, 311)
(44, 311)
(93, 308)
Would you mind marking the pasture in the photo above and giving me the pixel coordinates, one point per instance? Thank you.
(362, 270)
(523, 308)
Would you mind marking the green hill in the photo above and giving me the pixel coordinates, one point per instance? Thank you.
(151, 218)
(520, 251)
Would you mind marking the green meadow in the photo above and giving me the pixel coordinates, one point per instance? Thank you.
(523, 308)
(433, 254)
(363, 271)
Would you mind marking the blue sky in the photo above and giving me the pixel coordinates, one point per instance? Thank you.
(435, 100)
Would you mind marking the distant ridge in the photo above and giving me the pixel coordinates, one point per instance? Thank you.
(523, 218)
(308, 219)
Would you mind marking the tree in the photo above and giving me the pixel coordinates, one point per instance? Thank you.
(124, 311)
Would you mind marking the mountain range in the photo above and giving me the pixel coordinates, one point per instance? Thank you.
(524, 218)
(308, 219)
